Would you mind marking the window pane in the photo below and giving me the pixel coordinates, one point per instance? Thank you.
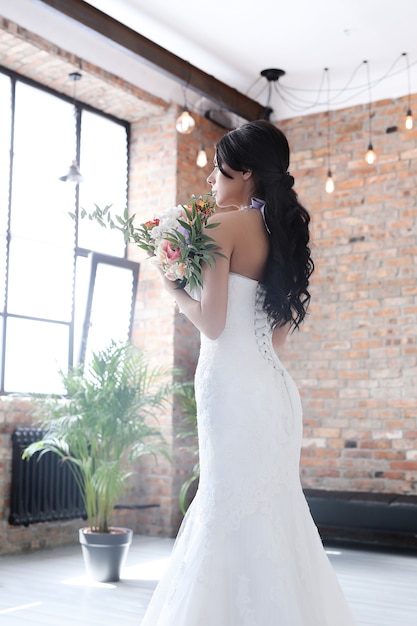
(5, 132)
(41, 278)
(82, 283)
(103, 164)
(111, 307)
(2, 272)
(5, 135)
(35, 352)
(44, 147)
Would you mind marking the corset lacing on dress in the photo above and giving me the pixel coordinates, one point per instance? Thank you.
(263, 332)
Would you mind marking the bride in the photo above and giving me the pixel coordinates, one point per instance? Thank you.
(248, 552)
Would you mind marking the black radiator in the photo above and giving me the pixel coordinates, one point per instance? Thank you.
(43, 488)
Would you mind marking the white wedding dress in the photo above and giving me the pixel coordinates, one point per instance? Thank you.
(248, 552)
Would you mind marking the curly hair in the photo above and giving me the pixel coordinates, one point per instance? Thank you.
(263, 148)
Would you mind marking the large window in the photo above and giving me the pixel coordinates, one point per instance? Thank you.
(65, 285)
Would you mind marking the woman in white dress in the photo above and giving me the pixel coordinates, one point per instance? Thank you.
(248, 552)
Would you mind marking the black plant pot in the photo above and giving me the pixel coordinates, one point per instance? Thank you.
(105, 553)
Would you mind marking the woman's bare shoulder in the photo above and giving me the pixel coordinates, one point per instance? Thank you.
(243, 238)
(225, 221)
(233, 217)
(223, 216)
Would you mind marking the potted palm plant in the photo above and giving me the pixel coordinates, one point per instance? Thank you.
(102, 425)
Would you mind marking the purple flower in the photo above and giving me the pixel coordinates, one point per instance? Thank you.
(185, 233)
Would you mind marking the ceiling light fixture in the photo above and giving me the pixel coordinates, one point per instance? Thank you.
(185, 123)
(201, 160)
(201, 156)
(272, 76)
(370, 155)
(409, 116)
(74, 175)
(329, 181)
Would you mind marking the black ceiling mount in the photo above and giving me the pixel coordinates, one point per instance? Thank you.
(272, 74)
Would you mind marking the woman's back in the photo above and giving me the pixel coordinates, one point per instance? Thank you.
(251, 244)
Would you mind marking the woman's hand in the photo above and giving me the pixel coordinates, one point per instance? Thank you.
(170, 285)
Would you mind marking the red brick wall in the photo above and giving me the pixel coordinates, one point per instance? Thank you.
(163, 174)
(355, 360)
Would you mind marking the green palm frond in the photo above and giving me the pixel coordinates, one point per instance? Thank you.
(108, 417)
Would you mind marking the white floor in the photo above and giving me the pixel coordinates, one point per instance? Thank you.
(49, 588)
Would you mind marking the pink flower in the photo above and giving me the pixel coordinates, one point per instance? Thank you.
(172, 255)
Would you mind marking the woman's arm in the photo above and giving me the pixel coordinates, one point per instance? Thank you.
(209, 314)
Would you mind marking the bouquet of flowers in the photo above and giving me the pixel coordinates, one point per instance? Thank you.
(174, 238)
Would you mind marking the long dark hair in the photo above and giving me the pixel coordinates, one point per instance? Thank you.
(263, 148)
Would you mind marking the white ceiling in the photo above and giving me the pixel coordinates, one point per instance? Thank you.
(234, 40)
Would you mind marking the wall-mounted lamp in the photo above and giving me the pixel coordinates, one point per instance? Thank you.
(409, 116)
(370, 155)
(74, 175)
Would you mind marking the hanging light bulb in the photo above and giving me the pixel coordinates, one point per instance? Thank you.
(409, 120)
(185, 123)
(409, 116)
(74, 175)
(201, 157)
(329, 187)
(329, 182)
(370, 156)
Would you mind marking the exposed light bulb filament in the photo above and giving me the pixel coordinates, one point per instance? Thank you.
(329, 182)
(370, 155)
(409, 116)
(409, 120)
(201, 157)
(185, 123)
